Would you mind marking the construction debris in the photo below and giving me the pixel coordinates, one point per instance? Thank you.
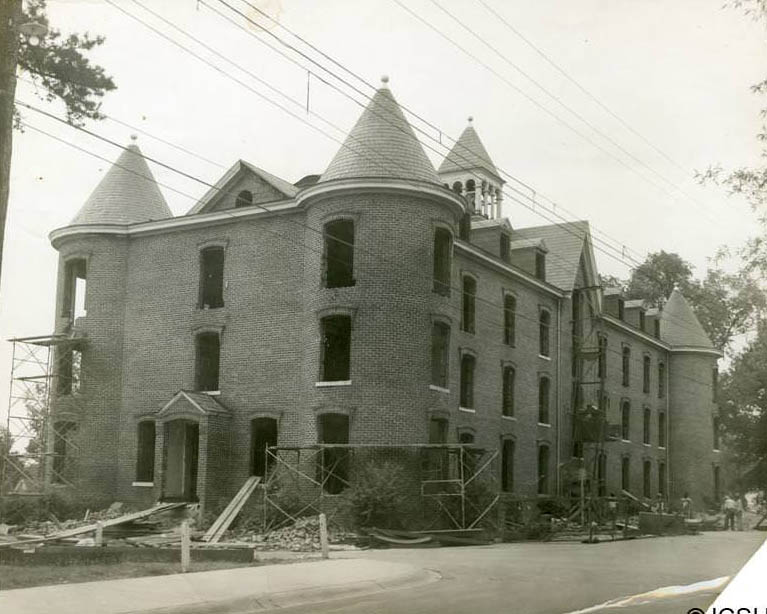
(224, 521)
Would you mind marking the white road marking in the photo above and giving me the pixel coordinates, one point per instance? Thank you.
(665, 592)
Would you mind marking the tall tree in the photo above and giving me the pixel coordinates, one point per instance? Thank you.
(57, 63)
(656, 277)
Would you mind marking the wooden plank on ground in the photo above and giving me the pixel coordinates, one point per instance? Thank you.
(89, 528)
(224, 521)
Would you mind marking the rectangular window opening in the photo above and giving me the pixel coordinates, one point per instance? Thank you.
(145, 451)
(208, 362)
(646, 375)
(63, 451)
(540, 265)
(263, 435)
(336, 347)
(440, 347)
(505, 247)
(508, 391)
(211, 278)
(509, 320)
(339, 254)
(544, 328)
(69, 372)
(334, 462)
(468, 304)
(75, 286)
(467, 381)
(507, 465)
(442, 261)
(543, 470)
(662, 429)
(544, 387)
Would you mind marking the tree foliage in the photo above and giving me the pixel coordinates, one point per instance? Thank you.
(726, 304)
(60, 65)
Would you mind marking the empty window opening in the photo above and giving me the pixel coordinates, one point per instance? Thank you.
(334, 462)
(505, 247)
(540, 265)
(507, 466)
(662, 429)
(69, 376)
(656, 328)
(602, 474)
(625, 473)
(543, 470)
(508, 391)
(64, 450)
(182, 443)
(208, 362)
(467, 381)
(626, 366)
(661, 380)
(75, 285)
(336, 348)
(468, 304)
(244, 199)
(263, 434)
(602, 359)
(626, 421)
(145, 451)
(621, 309)
(440, 346)
(578, 449)
(442, 261)
(509, 320)
(339, 254)
(646, 375)
(457, 187)
(646, 426)
(544, 387)
(466, 438)
(464, 227)
(437, 430)
(641, 319)
(662, 478)
(544, 327)
(647, 479)
(716, 432)
(212, 278)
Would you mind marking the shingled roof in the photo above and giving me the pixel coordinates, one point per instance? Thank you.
(381, 144)
(468, 153)
(565, 243)
(680, 326)
(127, 194)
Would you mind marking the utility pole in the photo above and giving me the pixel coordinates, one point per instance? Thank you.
(10, 19)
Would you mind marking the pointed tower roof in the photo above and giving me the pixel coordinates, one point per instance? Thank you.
(468, 153)
(127, 194)
(680, 326)
(381, 144)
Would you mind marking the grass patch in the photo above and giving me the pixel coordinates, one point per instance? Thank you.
(24, 576)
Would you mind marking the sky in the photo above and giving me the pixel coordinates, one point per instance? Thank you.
(668, 93)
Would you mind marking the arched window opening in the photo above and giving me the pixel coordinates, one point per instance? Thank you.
(467, 381)
(244, 199)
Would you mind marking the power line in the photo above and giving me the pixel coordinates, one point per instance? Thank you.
(542, 107)
(622, 248)
(460, 291)
(300, 118)
(567, 76)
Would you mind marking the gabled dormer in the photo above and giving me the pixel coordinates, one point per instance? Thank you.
(244, 185)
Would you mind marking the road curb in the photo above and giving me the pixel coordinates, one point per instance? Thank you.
(269, 601)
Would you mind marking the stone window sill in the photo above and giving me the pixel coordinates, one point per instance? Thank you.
(468, 410)
(439, 389)
(513, 418)
(212, 393)
(546, 424)
(143, 484)
(346, 382)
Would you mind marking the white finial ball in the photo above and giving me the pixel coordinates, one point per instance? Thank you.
(385, 79)
(134, 137)
(471, 119)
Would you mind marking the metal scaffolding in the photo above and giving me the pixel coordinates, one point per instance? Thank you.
(42, 449)
(448, 475)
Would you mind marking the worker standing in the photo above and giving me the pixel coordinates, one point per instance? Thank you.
(686, 506)
(730, 508)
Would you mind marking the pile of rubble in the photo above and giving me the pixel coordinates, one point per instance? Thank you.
(301, 536)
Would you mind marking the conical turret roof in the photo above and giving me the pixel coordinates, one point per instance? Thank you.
(381, 144)
(680, 326)
(468, 153)
(127, 194)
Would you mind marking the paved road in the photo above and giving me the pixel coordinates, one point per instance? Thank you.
(557, 578)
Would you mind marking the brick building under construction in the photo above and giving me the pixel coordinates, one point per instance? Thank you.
(382, 302)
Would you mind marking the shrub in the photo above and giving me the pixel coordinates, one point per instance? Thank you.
(377, 497)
